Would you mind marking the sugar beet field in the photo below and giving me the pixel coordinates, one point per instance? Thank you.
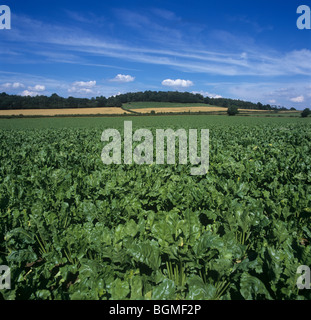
(72, 227)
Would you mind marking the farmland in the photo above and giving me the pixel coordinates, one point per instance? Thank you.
(74, 228)
(62, 112)
(146, 107)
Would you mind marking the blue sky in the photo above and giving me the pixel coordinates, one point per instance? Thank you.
(249, 50)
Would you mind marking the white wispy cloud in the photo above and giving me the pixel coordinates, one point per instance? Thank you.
(37, 88)
(165, 14)
(86, 17)
(29, 93)
(177, 83)
(146, 24)
(207, 94)
(298, 99)
(34, 90)
(278, 93)
(84, 84)
(80, 90)
(272, 101)
(82, 87)
(123, 78)
(159, 40)
(243, 58)
(15, 85)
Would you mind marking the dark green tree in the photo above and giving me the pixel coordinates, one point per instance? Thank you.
(305, 113)
(232, 110)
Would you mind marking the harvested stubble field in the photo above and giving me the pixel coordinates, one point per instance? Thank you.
(180, 109)
(195, 110)
(55, 112)
(119, 111)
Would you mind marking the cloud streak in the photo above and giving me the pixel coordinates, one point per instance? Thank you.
(123, 78)
(298, 99)
(15, 85)
(82, 87)
(242, 60)
(155, 42)
(178, 83)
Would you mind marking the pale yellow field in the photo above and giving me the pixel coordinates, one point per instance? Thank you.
(253, 110)
(117, 111)
(180, 109)
(54, 112)
(191, 109)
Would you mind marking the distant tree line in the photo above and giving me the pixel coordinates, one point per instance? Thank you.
(56, 102)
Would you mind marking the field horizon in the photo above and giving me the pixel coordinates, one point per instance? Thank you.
(138, 107)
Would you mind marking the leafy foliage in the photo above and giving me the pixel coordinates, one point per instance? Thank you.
(72, 228)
